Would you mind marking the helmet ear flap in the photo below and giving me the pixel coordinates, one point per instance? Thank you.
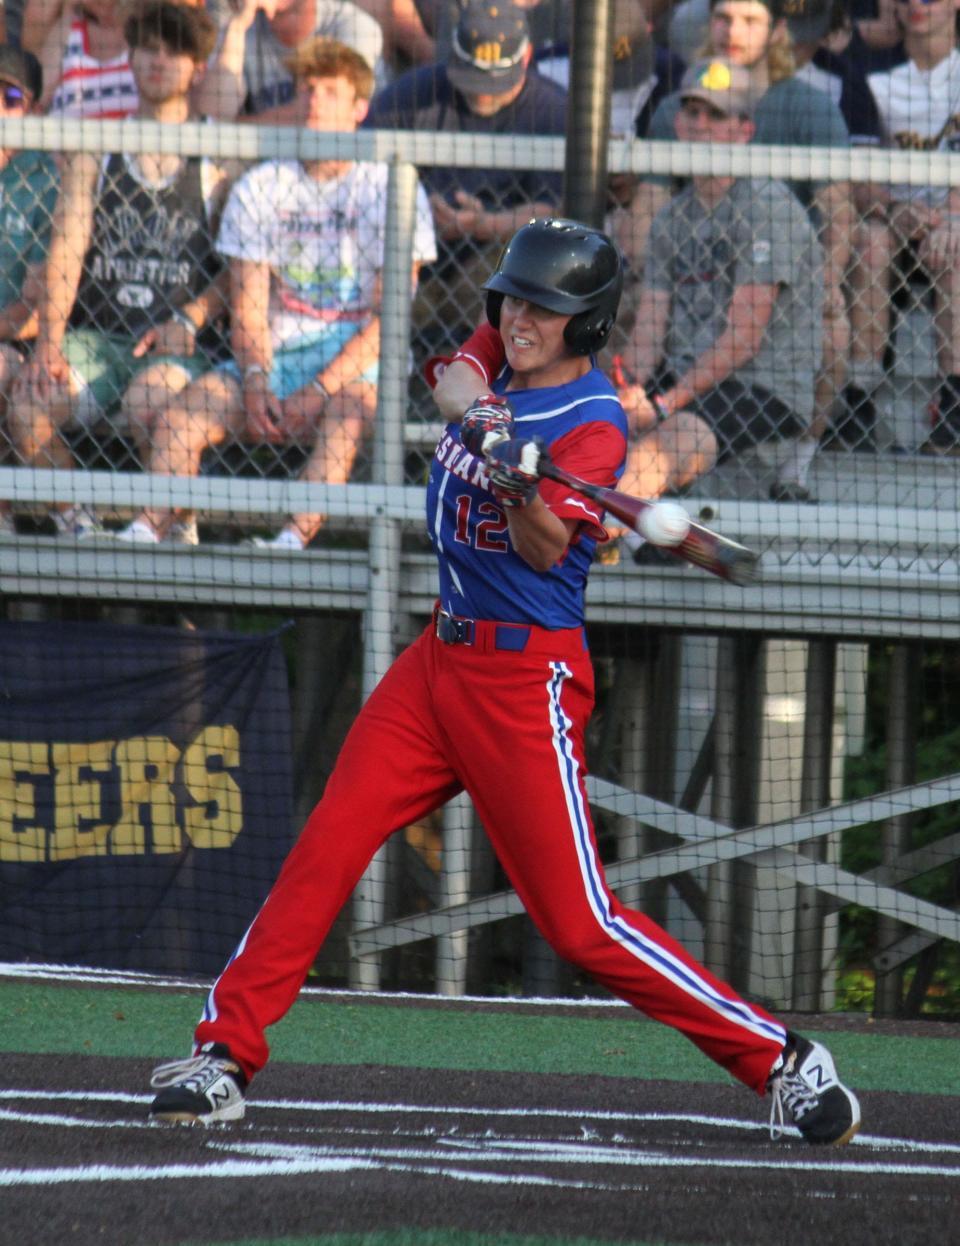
(587, 332)
(494, 303)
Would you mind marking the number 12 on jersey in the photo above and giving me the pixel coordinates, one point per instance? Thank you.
(487, 522)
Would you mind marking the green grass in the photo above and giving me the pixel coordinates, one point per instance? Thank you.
(41, 1018)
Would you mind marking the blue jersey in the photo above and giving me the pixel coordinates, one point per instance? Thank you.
(481, 575)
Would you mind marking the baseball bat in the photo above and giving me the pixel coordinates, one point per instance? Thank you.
(707, 549)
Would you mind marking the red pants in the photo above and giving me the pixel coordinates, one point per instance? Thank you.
(508, 727)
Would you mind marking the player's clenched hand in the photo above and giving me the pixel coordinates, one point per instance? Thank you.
(486, 421)
(512, 468)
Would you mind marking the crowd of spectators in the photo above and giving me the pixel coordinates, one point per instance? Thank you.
(194, 303)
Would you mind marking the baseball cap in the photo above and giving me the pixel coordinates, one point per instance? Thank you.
(489, 50)
(726, 87)
(21, 69)
(809, 21)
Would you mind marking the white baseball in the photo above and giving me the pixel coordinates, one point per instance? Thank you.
(665, 523)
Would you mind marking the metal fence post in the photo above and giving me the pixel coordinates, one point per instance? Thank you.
(814, 794)
(902, 712)
(379, 620)
(727, 933)
(456, 862)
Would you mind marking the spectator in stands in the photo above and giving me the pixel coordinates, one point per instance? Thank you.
(306, 247)
(813, 26)
(132, 273)
(485, 86)
(643, 70)
(28, 192)
(248, 75)
(872, 23)
(727, 340)
(549, 24)
(911, 233)
(85, 59)
(753, 34)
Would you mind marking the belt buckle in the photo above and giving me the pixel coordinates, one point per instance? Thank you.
(454, 631)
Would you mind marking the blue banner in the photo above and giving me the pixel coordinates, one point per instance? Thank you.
(145, 792)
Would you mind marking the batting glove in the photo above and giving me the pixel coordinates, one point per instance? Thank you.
(512, 469)
(486, 421)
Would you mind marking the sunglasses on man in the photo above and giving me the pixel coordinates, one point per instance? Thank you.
(12, 96)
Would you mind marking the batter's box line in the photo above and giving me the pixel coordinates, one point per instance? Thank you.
(862, 1140)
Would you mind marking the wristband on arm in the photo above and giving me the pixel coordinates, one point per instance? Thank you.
(623, 375)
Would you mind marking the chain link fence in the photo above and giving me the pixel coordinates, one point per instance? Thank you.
(870, 558)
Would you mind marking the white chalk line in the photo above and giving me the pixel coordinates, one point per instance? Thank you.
(333, 1161)
(140, 978)
(543, 1151)
(345, 1106)
(534, 1150)
(461, 1156)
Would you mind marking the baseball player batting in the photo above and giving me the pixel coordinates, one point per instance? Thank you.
(493, 698)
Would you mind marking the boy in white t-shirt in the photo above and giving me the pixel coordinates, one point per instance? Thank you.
(305, 244)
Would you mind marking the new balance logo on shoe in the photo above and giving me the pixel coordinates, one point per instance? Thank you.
(820, 1077)
(220, 1096)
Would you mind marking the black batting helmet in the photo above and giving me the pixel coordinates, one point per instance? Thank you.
(568, 268)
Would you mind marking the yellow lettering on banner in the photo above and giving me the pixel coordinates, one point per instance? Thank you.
(217, 818)
(79, 773)
(21, 838)
(134, 781)
(146, 765)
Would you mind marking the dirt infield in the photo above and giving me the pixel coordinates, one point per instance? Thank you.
(333, 1149)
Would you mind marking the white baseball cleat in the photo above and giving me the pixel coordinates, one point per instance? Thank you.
(205, 1090)
(807, 1092)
